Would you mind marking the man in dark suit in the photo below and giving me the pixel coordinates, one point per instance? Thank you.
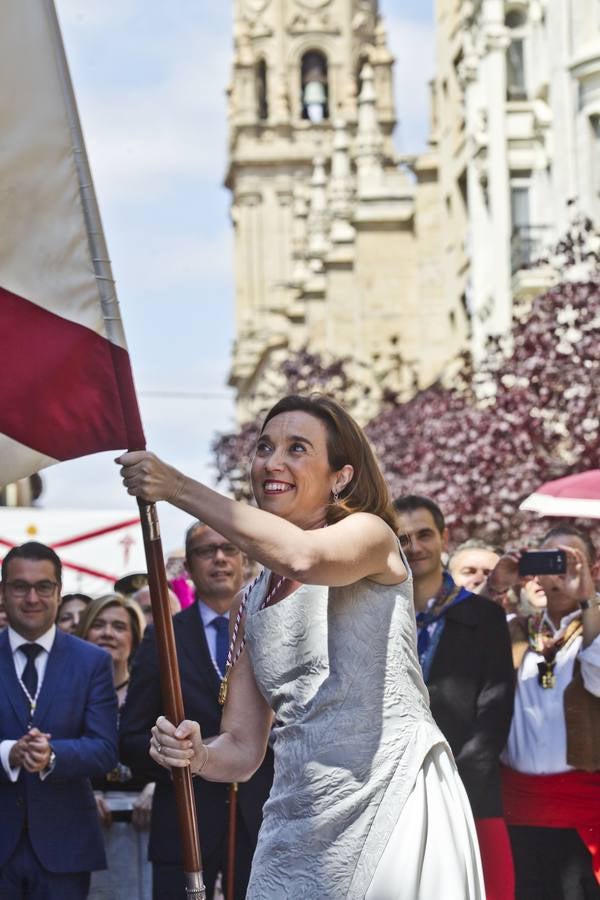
(202, 638)
(465, 654)
(58, 728)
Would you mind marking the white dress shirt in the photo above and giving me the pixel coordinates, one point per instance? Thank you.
(537, 742)
(208, 615)
(15, 640)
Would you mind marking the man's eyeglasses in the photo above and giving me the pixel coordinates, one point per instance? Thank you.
(211, 550)
(43, 589)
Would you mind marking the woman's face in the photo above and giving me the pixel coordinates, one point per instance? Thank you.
(291, 476)
(69, 615)
(111, 629)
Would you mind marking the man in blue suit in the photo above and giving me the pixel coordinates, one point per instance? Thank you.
(58, 728)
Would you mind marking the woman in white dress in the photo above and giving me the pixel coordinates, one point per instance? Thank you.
(366, 800)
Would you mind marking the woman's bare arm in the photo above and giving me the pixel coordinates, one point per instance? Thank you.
(360, 546)
(236, 753)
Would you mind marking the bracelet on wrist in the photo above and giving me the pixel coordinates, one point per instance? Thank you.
(589, 604)
(203, 763)
(177, 492)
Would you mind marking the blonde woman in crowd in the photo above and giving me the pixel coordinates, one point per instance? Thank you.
(116, 623)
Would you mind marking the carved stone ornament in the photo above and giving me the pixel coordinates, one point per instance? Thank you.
(317, 22)
(255, 6)
(313, 4)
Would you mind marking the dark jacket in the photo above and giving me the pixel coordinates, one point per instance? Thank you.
(200, 687)
(471, 688)
(78, 707)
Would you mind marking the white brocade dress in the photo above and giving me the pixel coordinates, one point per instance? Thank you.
(366, 800)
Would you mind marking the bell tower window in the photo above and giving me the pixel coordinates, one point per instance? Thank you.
(262, 102)
(315, 88)
(516, 84)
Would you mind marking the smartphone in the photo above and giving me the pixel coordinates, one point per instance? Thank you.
(543, 562)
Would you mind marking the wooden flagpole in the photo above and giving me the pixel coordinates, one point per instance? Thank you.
(172, 698)
(169, 672)
(233, 792)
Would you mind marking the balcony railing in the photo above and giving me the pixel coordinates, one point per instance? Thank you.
(527, 245)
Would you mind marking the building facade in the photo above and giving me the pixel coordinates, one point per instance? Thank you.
(337, 241)
(517, 133)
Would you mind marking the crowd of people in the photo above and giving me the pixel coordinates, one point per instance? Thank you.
(404, 719)
(130, 805)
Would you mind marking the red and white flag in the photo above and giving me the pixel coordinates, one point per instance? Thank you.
(66, 387)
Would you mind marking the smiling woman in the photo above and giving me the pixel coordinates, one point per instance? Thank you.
(117, 624)
(365, 789)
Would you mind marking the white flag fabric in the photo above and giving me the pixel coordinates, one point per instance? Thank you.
(66, 387)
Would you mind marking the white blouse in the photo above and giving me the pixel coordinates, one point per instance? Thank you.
(537, 742)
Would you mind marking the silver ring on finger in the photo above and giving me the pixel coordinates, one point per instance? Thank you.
(159, 748)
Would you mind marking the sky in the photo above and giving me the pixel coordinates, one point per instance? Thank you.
(150, 80)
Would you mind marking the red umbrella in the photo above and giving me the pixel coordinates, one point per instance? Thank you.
(575, 495)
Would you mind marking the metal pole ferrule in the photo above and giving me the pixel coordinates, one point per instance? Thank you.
(194, 886)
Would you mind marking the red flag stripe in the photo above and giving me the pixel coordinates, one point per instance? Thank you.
(85, 570)
(66, 391)
(92, 534)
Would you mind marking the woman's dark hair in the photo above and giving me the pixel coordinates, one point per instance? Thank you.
(99, 604)
(346, 445)
(66, 598)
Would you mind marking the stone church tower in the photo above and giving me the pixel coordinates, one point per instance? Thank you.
(337, 243)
